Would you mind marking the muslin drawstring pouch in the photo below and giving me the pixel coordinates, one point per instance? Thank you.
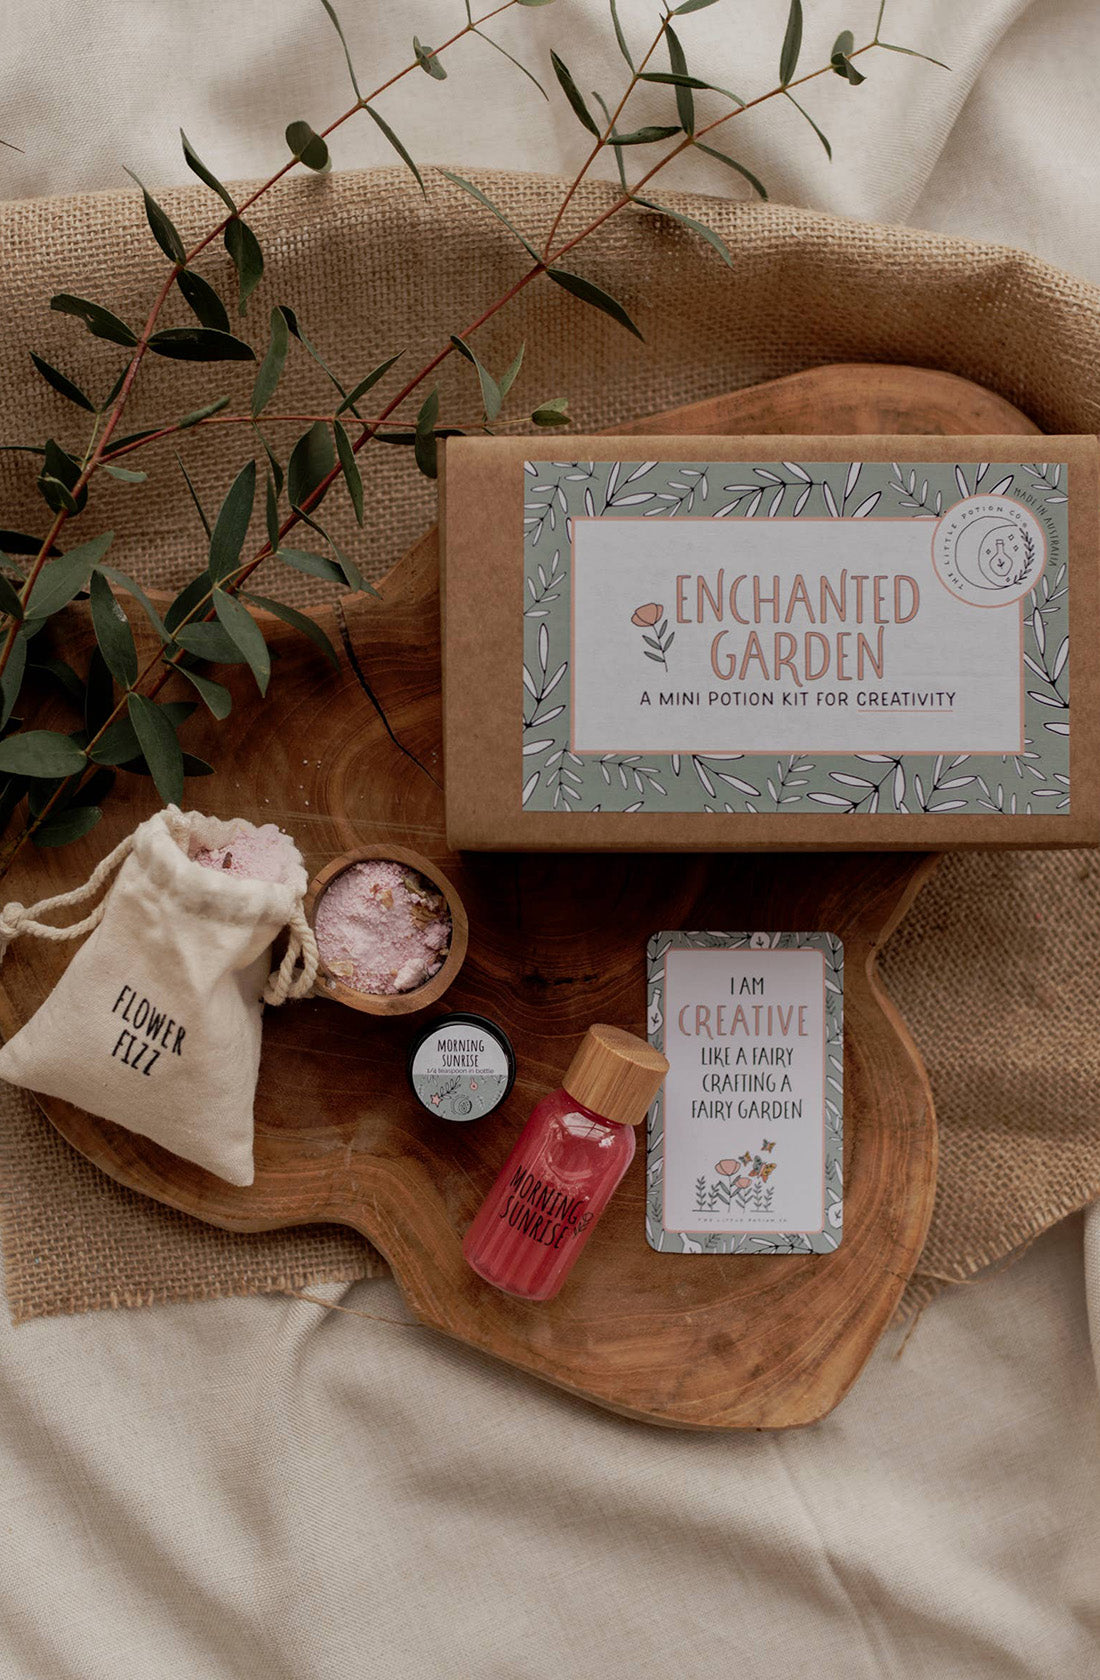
(155, 1024)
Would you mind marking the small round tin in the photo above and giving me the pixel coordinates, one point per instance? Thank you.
(461, 1067)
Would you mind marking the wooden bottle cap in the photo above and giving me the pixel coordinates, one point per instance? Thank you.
(615, 1074)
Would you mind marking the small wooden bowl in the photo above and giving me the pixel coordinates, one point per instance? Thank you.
(396, 1003)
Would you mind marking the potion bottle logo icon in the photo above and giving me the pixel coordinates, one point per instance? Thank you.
(989, 551)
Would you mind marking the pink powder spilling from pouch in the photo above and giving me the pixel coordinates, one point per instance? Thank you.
(262, 854)
(382, 928)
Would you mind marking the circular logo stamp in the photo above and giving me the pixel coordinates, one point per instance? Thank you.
(989, 551)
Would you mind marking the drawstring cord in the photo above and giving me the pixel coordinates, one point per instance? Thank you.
(283, 983)
(18, 918)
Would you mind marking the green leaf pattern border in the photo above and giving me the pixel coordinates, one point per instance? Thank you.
(556, 779)
(719, 1242)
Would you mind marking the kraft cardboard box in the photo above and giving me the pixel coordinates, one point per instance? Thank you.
(771, 643)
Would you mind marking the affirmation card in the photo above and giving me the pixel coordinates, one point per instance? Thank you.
(745, 1140)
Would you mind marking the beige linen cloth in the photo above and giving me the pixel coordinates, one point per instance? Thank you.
(257, 1488)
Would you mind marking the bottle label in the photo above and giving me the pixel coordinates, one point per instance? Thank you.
(541, 1211)
(460, 1072)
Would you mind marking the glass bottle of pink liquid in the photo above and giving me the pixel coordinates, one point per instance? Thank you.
(565, 1166)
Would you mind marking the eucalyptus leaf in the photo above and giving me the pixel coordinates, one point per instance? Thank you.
(349, 466)
(311, 461)
(552, 413)
(573, 94)
(161, 225)
(843, 44)
(218, 698)
(476, 192)
(190, 596)
(910, 52)
(60, 828)
(198, 414)
(347, 55)
(207, 640)
(63, 385)
(713, 239)
(194, 495)
(503, 51)
(509, 377)
(619, 36)
(63, 579)
(677, 63)
(425, 57)
(298, 621)
(124, 475)
(294, 326)
(372, 378)
(351, 573)
(792, 43)
(231, 525)
(159, 745)
(113, 633)
(60, 478)
(202, 299)
(646, 136)
(307, 146)
(122, 581)
(60, 672)
(205, 175)
(691, 6)
(247, 257)
(822, 137)
(425, 448)
(41, 753)
(21, 542)
(843, 66)
(12, 680)
(200, 344)
(731, 163)
(243, 630)
(57, 496)
(9, 600)
(396, 143)
(592, 294)
(272, 461)
(117, 744)
(100, 322)
(314, 565)
(271, 367)
(491, 393)
(271, 513)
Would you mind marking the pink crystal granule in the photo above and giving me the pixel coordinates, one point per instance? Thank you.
(261, 854)
(382, 928)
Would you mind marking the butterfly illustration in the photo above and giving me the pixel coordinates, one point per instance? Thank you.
(768, 1147)
(767, 1170)
(746, 1158)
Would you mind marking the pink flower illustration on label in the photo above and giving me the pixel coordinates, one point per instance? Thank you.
(650, 616)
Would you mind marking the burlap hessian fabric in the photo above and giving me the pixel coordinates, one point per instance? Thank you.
(993, 966)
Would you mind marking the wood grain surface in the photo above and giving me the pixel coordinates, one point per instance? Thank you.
(555, 943)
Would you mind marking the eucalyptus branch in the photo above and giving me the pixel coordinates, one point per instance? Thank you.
(94, 457)
(207, 613)
(603, 137)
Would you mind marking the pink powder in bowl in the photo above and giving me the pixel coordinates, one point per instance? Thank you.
(261, 854)
(382, 928)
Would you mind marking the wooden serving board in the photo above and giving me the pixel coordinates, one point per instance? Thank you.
(556, 942)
